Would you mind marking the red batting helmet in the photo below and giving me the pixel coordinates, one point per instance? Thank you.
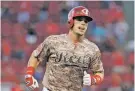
(78, 11)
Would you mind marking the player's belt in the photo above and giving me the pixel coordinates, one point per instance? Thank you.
(46, 89)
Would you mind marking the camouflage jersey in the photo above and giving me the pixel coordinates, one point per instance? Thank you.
(66, 62)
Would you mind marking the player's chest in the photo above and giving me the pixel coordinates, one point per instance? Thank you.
(69, 53)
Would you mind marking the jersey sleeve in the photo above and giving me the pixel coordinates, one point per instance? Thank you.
(42, 51)
(96, 65)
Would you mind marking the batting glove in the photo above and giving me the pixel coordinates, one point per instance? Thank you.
(91, 80)
(30, 81)
(86, 79)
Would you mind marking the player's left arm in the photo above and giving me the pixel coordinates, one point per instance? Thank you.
(96, 67)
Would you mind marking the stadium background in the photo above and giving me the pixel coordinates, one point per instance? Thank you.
(25, 24)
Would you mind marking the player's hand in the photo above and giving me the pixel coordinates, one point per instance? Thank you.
(31, 82)
(86, 79)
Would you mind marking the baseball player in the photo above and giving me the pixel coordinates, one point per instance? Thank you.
(68, 57)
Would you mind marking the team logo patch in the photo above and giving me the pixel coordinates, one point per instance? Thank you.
(85, 11)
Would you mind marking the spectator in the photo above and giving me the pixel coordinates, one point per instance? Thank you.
(23, 17)
(6, 49)
(99, 33)
(31, 37)
(116, 81)
(119, 62)
(52, 27)
(121, 30)
(25, 10)
(43, 14)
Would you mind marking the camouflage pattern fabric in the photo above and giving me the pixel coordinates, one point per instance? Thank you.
(66, 62)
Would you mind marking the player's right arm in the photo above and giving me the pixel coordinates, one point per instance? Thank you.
(33, 61)
(31, 82)
(37, 56)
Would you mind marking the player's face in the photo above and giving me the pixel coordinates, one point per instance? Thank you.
(80, 25)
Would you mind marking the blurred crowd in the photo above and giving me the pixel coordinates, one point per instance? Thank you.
(25, 24)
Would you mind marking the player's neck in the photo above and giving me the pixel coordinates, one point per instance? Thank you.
(74, 37)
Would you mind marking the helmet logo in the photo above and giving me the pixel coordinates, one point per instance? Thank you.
(85, 11)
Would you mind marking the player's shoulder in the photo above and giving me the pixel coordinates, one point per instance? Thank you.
(91, 44)
(55, 37)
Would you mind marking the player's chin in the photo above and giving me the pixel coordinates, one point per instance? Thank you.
(80, 34)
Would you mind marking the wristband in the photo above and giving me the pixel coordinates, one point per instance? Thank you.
(30, 70)
(96, 79)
